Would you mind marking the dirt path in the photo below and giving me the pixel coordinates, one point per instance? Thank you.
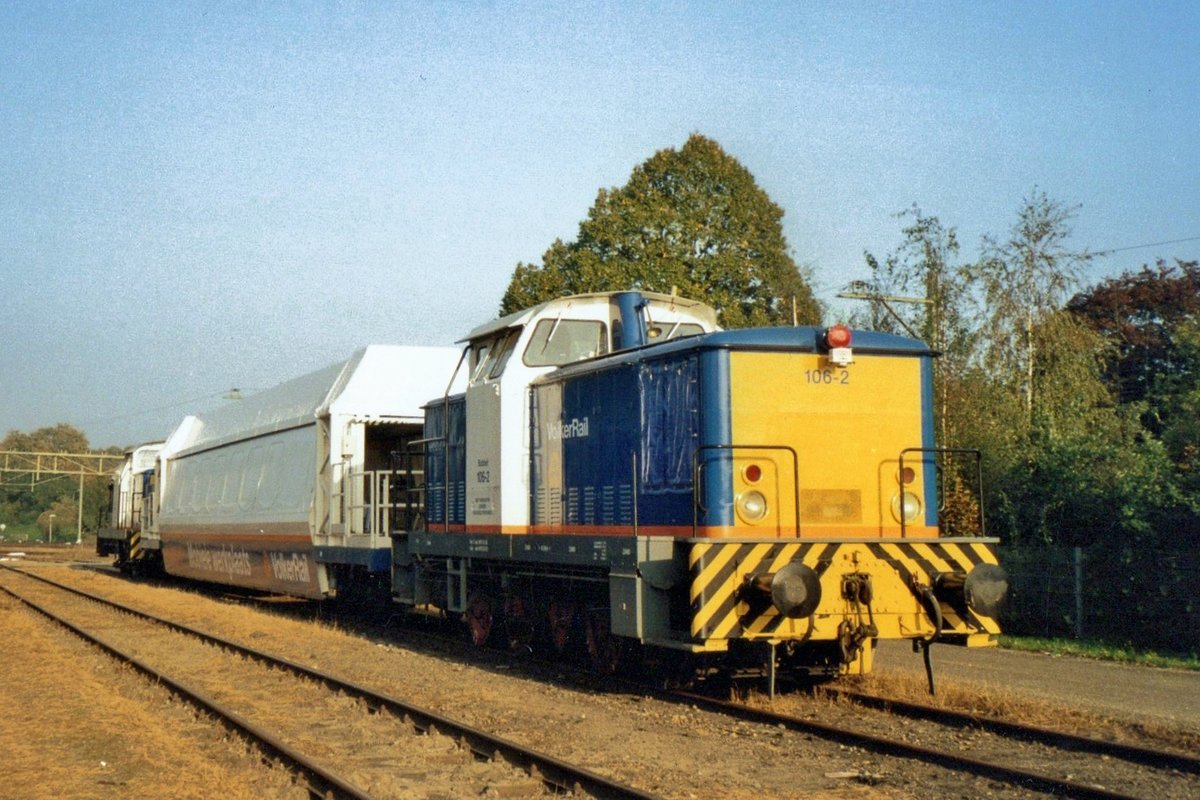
(1139, 693)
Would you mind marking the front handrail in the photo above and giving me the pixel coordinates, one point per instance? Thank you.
(698, 504)
(937, 451)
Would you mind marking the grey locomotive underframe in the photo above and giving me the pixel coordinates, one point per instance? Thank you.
(646, 576)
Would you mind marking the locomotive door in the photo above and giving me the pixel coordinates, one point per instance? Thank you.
(485, 422)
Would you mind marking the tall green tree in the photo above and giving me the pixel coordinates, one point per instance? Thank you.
(1024, 278)
(692, 220)
(924, 267)
(1151, 319)
(1176, 397)
(1081, 470)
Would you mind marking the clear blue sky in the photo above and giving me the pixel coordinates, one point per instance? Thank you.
(196, 196)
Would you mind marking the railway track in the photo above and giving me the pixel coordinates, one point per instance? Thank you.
(1132, 753)
(339, 723)
(1050, 764)
(1031, 760)
(1040, 759)
(1062, 756)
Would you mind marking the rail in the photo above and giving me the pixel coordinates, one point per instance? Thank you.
(1023, 778)
(322, 781)
(558, 775)
(1137, 754)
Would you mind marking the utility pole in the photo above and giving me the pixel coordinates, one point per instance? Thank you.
(30, 469)
(861, 290)
(79, 516)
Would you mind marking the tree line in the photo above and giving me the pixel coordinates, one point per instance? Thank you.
(28, 501)
(1083, 398)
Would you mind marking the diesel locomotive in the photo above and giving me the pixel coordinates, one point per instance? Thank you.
(603, 472)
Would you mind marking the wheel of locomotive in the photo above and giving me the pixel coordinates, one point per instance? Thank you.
(560, 619)
(518, 623)
(480, 618)
(604, 649)
(670, 669)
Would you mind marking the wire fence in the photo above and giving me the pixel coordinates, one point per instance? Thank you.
(1145, 597)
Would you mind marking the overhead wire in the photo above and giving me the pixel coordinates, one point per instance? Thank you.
(144, 411)
(1143, 246)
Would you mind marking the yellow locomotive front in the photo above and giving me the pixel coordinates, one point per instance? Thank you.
(817, 505)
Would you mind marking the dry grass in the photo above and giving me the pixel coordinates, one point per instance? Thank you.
(78, 725)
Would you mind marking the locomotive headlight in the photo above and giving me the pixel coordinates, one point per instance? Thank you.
(751, 506)
(908, 505)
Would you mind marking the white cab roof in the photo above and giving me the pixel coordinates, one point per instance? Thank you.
(662, 301)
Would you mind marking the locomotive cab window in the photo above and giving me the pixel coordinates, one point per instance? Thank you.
(479, 354)
(683, 329)
(488, 356)
(562, 341)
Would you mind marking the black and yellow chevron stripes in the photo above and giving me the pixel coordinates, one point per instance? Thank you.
(135, 545)
(718, 573)
(926, 559)
(720, 610)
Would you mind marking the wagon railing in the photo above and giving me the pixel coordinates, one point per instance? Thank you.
(378, 502)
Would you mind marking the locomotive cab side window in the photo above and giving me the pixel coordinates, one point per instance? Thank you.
(479, 354)
(488, 356)
(562, 341)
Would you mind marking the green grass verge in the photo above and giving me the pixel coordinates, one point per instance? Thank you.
(1100, 650)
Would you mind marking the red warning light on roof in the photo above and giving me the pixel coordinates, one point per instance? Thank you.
(837, 336)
